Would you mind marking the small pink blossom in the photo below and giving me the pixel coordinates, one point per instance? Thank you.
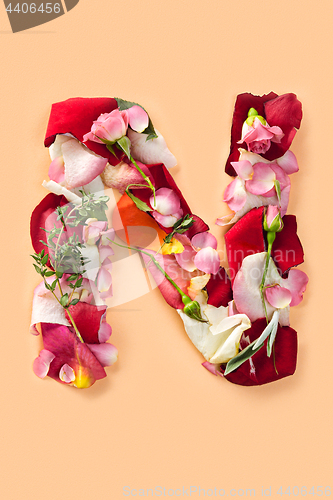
(108, 128)
(258, 135)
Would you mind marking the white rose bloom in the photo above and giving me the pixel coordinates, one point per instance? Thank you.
(218, 340)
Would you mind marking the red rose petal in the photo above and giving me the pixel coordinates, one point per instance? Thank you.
(284, 111)
(287, 249)
(87, 318)
(245, 238)
(219, 289)
(66, 347)
(38, 219)
(260, 369)
(75, 116)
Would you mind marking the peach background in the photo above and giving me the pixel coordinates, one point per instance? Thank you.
(159, 419)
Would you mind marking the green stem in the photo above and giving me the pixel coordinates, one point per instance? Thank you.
(74, 326)
(68, 312)
(270, 240)
(160, 268)
(146, 178)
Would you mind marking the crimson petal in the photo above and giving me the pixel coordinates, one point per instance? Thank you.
(260, 368)
(41, 213)
(245, 238)
(285, 111)
(287, 249)
(67, 349)
(87, 318)
(75, 116)
(219, 289)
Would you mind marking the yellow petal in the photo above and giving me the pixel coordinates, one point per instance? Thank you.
(173, 247)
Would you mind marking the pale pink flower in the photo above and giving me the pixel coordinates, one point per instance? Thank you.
(258, 136)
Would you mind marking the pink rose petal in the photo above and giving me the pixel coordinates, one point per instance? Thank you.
(166, 201)
(66, 374)
(288, 162)
(278, 296)
(41, 364)
(203, 240)
(57, 170)
(207, 260)
(243, 169)
(212, 368)
(235, 195)
(106, 354)
(137, 118)
(262, 181)
(104, 332)
(296, 283)
(81, 165)
(104, 280)
(186, 259)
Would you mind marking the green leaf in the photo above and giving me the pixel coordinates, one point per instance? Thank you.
(278, 190)
(49, 273)
(38, 269)
(37, 259)
(125, 145)
(270, 328)
(54, 284)
(42, 253)
(72, 277)
(150, 130)
(59, 274)
(45, 259)
(241, 357)
(64, 300)
(111, 148)
(79, 283)
(74, 302)
(140, 204)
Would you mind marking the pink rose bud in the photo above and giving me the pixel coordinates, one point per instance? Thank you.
(272, 220)
(258, 134)
(108, 128)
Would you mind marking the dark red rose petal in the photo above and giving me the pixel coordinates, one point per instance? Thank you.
(75, 116)
(219, 289)
(161, 178)
(42, 213)
(285, 112)
(245, 238)
(243, 103)
(66, 347)
(87, 318)
(260, 369)
(287, 249)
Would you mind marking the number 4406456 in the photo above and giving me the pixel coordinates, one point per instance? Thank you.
(32, 8)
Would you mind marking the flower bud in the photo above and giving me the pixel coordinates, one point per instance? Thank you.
(272, 220)
(192, 309)
(252, 115)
